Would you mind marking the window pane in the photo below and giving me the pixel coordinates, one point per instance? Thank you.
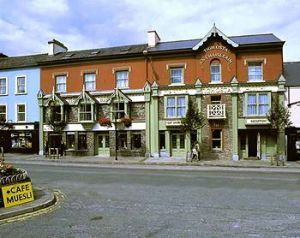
(2, 86)
(71, 141)
(60, 83)
(136, 141)
(176, 75)
(215, 72)
(181, 139)
(122, 79)
(85, 112)
(255, 71)
(82, 145)
(251, 105)
(21, 85)
(263, 104)
(174, 141)
(171, 107)
(20, 112)
(181, 106)
(2, 113)
(90, 81)
(122, 140)
(216, 139)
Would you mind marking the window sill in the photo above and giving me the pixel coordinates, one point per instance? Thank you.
(256, 81)
(5, 94)
(21, 93)
(220, 82)
(176, 84)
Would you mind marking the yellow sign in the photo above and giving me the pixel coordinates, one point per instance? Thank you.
(17, 194)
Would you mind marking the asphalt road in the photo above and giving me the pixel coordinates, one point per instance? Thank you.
(104, 202)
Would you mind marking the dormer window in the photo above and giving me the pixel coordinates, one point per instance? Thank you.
(85, 112)
(215, 71)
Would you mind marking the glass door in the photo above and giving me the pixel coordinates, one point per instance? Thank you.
(103, 145)
(178, 144)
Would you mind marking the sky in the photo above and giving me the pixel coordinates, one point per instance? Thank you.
(27, 26)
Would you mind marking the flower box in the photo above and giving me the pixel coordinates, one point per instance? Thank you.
(104, 121)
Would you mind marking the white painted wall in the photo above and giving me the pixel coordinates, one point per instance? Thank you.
(293, 95)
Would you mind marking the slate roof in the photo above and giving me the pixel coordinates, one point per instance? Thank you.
(292, 73)
(125, 51)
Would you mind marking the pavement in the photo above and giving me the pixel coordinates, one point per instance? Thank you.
(45, 198)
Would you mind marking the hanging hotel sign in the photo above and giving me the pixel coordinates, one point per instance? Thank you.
(173, 123)
(222, 54)
(257, 121)
(17, 194)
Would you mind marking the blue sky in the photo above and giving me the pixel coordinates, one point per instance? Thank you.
(27, 26)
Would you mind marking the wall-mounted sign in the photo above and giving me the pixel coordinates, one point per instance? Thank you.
(222, 54)
(173, 123)
(17, 194)
(257, 121)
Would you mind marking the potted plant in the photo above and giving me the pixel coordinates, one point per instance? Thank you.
(104, 121)
(127, 121)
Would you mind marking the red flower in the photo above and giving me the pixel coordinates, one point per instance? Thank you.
(103, 121)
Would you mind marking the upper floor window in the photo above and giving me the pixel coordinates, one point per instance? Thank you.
(20, 85)
(61, 83)
(3, 86)
(215, 72)
(90, 81)
(3, 113)
(176, 106)
(85, 112)
(258, 104)
(21, 112)
(255, 71)
(122, 79)
(119, 108)
(176, 75)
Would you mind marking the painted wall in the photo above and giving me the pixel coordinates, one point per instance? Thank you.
(292, 95)
(30, 98)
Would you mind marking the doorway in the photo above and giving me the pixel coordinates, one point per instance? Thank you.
(103, 145)
(178, 144)
(252, 144)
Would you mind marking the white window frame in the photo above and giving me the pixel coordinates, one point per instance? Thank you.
(81, 112)
(93, 82)
(176, 106)
(25, 84)
(221, 139)
(257, 103)
(182, 75)
(17, 112)
(261, 68)
(5, 105)
(65, 88)
(6, 86)
(220, 72)
(127, 82)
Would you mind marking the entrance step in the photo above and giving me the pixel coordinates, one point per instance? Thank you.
(252, 158)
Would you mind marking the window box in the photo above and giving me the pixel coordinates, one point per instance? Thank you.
(103, 121)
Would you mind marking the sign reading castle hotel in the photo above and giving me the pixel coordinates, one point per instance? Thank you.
(148, 86)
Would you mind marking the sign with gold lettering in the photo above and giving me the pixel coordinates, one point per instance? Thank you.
(17, 194)
(222, 53)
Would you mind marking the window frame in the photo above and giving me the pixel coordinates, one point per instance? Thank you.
(94, 82)
(18, 112)
(16, 85)
(213, 64)
(217, 139)
(4, 105)
(65, 83)
(6, 86)
(175, 106)
(173, 68)
(117, 79)
(261, 71)
(85, 112)
(258, 104)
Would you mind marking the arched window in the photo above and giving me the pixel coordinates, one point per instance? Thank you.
(215, 71)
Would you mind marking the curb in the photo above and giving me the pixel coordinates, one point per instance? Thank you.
(44, 198)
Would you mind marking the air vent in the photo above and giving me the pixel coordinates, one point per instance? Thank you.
(95, 52)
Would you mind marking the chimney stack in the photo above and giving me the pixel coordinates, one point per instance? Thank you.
(56, 47)
(153, 38)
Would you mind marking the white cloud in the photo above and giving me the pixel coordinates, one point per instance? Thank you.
(50, 8)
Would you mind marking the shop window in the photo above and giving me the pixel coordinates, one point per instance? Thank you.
(215, 72)
(255, 71)
(122, 79)
(61, 83)
(176, 75)
(21, 85)
(90, 81)
(3, 113)
(176, 106)
(82, 141)
(21, 140)
(122, 140)
(136, 141)
(70, 137)
(85, 112)
(3, 86)
(258, 104)
(21, 112)
(216, 139)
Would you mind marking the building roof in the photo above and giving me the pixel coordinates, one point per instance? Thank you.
(292, 73)
(127, 51)
(21, 61)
